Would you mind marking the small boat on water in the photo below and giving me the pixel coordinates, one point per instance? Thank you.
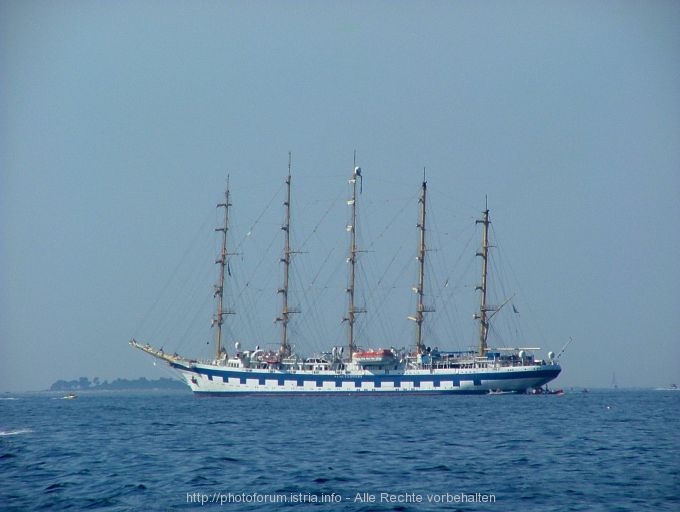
(501, 392)
(69, 396)
(672, 387)
(546, 391)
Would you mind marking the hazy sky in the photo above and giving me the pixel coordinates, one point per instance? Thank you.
(119, 122)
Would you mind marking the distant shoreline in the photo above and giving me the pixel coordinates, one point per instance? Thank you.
(142, 383)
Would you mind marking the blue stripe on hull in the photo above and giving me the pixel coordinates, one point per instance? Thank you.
(204, 394)
(333, 383)
(397, 377)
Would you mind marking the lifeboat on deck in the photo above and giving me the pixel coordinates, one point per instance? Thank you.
(374, 356)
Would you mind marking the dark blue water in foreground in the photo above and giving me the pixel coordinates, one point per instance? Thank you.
(167, 451)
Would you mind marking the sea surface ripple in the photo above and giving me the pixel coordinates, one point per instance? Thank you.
(597, 451)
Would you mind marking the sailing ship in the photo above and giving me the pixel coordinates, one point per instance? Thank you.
(350, 369)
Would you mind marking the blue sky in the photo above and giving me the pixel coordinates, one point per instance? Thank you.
(119, 122)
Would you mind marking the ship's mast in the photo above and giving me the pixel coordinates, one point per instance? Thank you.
(420, 289)
(285, 349)
(351, 227)
(222, 262)
(483, 307)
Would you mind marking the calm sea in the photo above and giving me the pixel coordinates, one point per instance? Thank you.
(606, 450)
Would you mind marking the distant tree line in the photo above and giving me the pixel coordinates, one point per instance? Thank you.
(119, 384)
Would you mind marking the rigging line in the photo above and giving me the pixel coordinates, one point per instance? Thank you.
(263, 256)
(333, 204)
(321, 314)
(323, 264)
(334, 274)
(378, 295)
(435, 282)
(449, 236)
(382, 299)
(191, 246)
(457, 262)
(259, 218)
(387, 267)
(177, 294)
(246, 296)
(199, 311)
(502, 282)
(525, 305)
(311, 302)
(509, 321)
(316, 297)
(494, 334)
(240, 293)
(445, 202)
(399, 213)
(449, 200)
(450, 308)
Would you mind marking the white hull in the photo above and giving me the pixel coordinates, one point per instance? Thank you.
(207, 379)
